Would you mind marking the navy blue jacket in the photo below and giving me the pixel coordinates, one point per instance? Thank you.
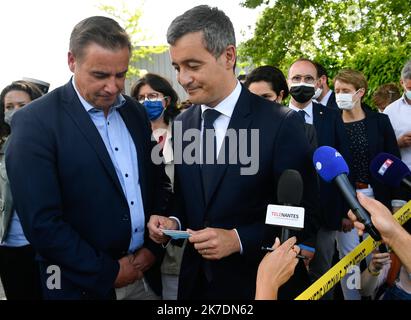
(240, 201)
(70, 201)
(381, 138)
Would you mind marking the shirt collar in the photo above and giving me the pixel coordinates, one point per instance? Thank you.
(405, 100)
(325, 99)
(226, 107)
(120, 100)
(308, 109)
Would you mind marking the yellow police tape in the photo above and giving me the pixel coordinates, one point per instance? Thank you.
(338, 271)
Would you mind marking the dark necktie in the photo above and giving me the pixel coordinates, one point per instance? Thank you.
(208, 147)
(302, 114)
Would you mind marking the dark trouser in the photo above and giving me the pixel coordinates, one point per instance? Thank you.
(19, 273)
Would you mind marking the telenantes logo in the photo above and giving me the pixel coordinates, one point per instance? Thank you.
(284, 215)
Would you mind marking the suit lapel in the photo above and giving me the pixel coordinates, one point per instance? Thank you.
(318, 120)
(193, 121)
(80, 117)
(240, 119)
(371, 127)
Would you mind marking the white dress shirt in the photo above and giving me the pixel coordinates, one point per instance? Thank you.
(399, 113)
(309, 118)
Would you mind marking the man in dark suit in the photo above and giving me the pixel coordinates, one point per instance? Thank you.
(303, 81)
(82, 178)
(324, 95)
(224, 205)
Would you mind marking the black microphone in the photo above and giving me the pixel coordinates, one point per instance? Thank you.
(289, 193)
(331, 166)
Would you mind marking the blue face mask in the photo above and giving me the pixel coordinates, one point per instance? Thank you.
(154, 109)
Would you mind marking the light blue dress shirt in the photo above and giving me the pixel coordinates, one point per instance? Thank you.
(123, 154)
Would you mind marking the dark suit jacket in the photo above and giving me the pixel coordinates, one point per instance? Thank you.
(331, 132)
(240, 201)
(381, 138)
(70, 202)
(331, 103)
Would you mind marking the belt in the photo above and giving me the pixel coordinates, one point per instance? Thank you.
(361, 185)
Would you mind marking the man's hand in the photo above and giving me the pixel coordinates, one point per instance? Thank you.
(405, 140)
(156, 223)
(127, 274)
(143, 259)
(214, 244)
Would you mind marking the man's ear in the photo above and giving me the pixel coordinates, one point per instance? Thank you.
(71, 60)
(230, 56)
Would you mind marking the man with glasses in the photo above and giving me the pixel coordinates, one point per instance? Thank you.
(302, 81)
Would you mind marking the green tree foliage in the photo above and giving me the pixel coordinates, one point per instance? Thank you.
(129, 20)
(372, 36)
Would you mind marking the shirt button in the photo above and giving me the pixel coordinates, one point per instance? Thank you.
(132, 202)
(126, 175)
(108, 123)
(116, 149)
(135, 230)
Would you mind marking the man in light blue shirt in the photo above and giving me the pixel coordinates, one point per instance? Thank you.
(82, 177)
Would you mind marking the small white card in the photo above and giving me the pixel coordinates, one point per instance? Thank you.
(285, 216)
(176, 234)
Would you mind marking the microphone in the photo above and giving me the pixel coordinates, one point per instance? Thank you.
(289, 194)
(331, 166)
(390, 170)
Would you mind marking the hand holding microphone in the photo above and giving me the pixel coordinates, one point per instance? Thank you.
(331, 166)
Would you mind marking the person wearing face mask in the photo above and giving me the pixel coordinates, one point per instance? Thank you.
(160, 101)
(323, 94)
(399, 113)
(18, 270)
(303, 81)
(269, 83)
(369, 133)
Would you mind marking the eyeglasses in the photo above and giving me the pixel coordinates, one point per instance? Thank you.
(306, 79)
(154, 96)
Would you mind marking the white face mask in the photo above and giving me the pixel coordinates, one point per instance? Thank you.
(317, 93)
(345, 101)
(408, 94)
(8, 115)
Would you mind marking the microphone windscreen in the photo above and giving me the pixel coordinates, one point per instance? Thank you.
(290, 188)
(329, 163)
(388, 169)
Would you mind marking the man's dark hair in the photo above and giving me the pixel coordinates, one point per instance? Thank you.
(321, 70)
(103, 31)
(217, 29)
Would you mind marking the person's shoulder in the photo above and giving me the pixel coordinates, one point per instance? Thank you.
(391, 108)
(189, 112)
(327, 110)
